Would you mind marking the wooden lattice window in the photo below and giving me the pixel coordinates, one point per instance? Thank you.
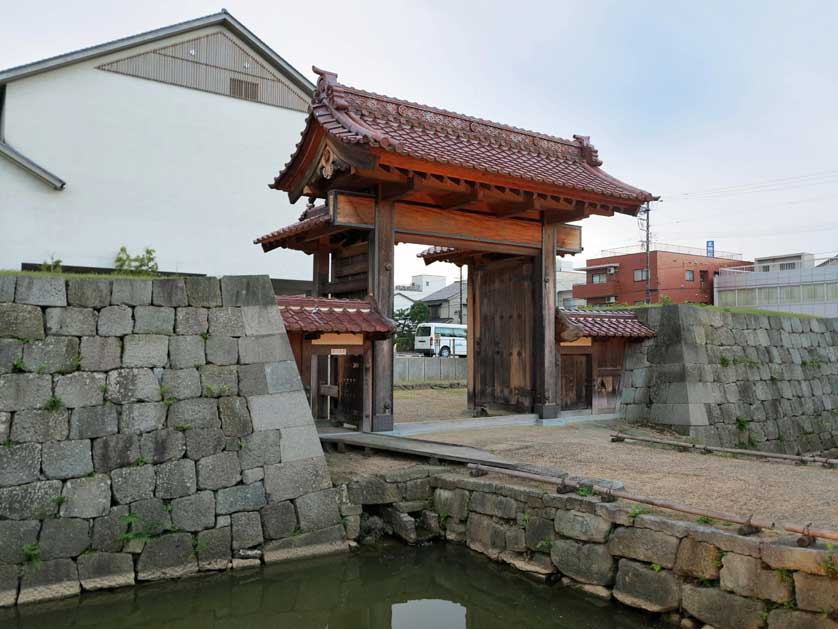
(246, 90)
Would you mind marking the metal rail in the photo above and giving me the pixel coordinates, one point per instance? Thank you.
(748, 526)
(683, 446)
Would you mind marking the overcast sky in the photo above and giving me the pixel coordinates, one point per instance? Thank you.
(726, 110)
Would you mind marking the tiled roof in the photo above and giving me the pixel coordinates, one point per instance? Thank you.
(446, 293)
(311, 218)
(607, 323)
(320, 314)
(354, 116)
(434, 251)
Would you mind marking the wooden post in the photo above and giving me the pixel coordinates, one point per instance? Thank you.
(366, 419)
(320, 276)
(472, 332)
(381, 267)
(315, 386)
(546, 368)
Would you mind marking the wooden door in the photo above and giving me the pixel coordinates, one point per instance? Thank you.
(575, 381)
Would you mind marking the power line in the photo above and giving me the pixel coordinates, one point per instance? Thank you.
(799, 179)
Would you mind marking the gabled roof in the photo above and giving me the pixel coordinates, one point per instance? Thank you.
(444, 294)
(357, 117)
(223, 18)
(606, 323)
(324, 315)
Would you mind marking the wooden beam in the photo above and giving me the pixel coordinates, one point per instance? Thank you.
(345, 286)
(392, 191)
(382, 259)
(546, 369)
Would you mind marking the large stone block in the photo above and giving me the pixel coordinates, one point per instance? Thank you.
(791, 619)
(115, 321)
(181, 384)
(203, 291)
(194, 513)
(67, 459)
(150, 516)
(698, 560)
(247, 290)
(106, 571)
(133, 483)
(64, 537)
(452, 503)
(186, 351)
(588, 563)
(21, 322)
(582, 526)
(100, 353)
(722, 610)
(371, 490)
(290, 480)
(539, 533)
(493, 504)
(169, 292)
(142, 417)
(160, 446)
(279, 520)
(145, 350)
(82, 388)
(240, 498)
(746, 576)
(21, 391)
(41, 291)
(9, 576)
(71, 321)
(7, 291)
(261, 320)
(640, 586)
(88, 497)
(131, 292)
(20, 464)
(175, 479)
(214, 549)
(645, 545)
(154, 320)
(817, 594)
(132, 385)
(11, 354)
(115, 451)
(222, 350)
(247, 530)
(226, 322)
(5, 426)
(109, 529)
(782, 556)
(260, 448)
(204, 442)
(265, 378)
(54, 354)
(318, 510)
(39, 426)
(167, 557)
(89, 293)
(325, 541)
(217, 381)
(485, 536)
(264, 349)
(219, 470)
(14, 535)
(52, 580)
(195, 413)
(192, 321)
(34, 501)
(235, 417)
(279, 410)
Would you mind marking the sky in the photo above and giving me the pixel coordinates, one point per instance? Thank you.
(726, 110)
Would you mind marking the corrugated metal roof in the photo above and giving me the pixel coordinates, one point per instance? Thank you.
(324, 315)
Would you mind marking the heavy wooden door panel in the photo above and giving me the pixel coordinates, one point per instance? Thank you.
(576, 381)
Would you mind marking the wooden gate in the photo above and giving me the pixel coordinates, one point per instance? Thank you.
(576, 390)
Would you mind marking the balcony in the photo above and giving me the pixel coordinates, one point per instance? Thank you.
(594, 291)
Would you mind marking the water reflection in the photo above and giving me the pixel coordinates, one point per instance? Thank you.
(395, 587)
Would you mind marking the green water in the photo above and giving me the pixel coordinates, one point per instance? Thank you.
(390, 587)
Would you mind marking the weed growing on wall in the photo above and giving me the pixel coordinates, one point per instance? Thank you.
(144, 264)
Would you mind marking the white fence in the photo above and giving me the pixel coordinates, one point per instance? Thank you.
(431, 370)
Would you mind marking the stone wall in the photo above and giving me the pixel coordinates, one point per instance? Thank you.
(687, 571)
(150, 429)
(736, 380)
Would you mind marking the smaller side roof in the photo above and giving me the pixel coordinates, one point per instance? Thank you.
(606, 323)
(324, 315)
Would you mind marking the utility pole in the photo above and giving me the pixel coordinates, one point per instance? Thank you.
(648, 254)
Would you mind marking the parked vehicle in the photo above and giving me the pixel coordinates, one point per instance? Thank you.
(441, 339)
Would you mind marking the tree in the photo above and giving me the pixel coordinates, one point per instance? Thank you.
(407, 320)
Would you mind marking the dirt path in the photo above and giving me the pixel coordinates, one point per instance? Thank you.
(777, 491)
(411, 405)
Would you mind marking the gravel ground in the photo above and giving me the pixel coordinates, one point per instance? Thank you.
(778, 491)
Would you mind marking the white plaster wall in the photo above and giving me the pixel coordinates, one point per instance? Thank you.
(146, 164)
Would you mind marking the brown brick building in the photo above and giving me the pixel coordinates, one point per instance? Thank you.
(682, 274)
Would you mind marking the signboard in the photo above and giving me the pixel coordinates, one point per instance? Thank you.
(711, 248)
(338, 351)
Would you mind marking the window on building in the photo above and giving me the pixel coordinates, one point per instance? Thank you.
(246, 90)
(790, 294)
(766, 268)
(702, 278)
(434, 311)
(611, 300)
(768, 295)
(832, 292)
(813, 293)
(640, 275)
(788, 266)
(746, 297)
(727, 297)
(599, 278)
(689, 276)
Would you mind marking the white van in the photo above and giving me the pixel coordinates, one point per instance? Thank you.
(442, 339)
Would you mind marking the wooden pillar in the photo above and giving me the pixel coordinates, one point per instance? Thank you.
(315, 386)
(546, 368)
(366, 418)
(472, 331)
(320, 275)
(381, 269)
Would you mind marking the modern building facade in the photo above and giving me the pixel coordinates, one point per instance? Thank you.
(129, 142)
(448, 304)
(800, 283)
(420, 287)
(682, 274)
(566, 279)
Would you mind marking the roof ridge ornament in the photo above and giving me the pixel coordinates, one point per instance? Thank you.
(589, 153)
